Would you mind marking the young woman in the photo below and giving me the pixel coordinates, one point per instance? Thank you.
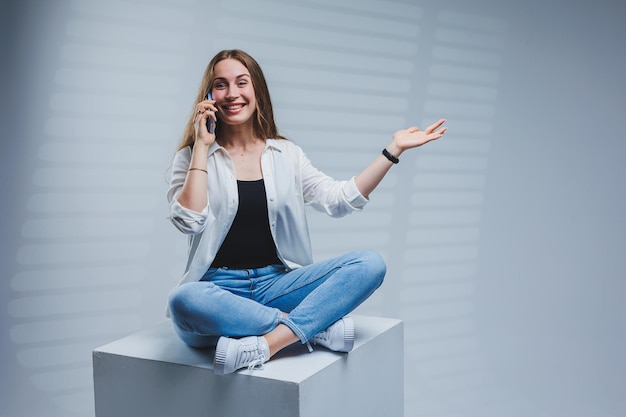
(250, 285)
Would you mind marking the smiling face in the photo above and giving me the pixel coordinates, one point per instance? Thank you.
(234, 93)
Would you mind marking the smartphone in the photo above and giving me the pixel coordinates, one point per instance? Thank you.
(210, 123)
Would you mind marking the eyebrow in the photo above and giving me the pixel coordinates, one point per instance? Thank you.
(239, 76)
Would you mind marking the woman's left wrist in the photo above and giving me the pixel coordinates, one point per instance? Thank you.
(394, 150)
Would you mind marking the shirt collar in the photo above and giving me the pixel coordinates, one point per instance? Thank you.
(269, 143)
(277, 144)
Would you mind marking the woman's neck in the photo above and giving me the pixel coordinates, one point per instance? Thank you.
(245, 151)
(238, 137)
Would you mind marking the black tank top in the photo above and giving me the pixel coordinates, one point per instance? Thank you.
(249, 242)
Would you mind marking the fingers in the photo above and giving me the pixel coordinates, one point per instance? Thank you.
(435, 126)
(205, 110)
(429, 129)
(204, 120)
(206, 114)
(205, 106)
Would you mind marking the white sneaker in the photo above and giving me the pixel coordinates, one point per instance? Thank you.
(233, 354)
(338, 337)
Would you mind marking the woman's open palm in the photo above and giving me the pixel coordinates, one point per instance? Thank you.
(414, 137)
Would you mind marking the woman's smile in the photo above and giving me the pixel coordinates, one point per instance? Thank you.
(233, 108)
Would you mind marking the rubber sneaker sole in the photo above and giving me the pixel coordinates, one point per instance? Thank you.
(221, 352)
(348, 340)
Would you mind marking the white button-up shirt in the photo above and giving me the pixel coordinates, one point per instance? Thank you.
(291, 181)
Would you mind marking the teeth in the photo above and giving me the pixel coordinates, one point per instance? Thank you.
(237, 106)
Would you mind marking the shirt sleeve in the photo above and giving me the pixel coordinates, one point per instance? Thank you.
(185, 220)
(353, 196)
(335, 198)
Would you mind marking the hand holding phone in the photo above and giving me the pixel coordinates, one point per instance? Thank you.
(210, 123)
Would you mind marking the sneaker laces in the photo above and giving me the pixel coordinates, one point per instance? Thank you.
(323, 336)
(253, 357)
(257, 363)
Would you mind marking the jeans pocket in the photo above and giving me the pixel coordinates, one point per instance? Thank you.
(209, 274)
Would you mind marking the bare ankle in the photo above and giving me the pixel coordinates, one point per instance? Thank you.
(279, 338)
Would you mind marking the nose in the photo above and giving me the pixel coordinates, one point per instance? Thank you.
(231, 93)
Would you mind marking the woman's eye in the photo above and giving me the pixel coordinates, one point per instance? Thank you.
(242, 83)
(220, 85)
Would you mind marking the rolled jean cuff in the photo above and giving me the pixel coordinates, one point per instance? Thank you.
(287, 322)
(279, 319)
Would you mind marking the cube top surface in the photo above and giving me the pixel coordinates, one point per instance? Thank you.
(294, 364)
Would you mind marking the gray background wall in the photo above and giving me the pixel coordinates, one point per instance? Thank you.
(505, 240)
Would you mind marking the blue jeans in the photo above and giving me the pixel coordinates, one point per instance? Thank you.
(250, 302)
